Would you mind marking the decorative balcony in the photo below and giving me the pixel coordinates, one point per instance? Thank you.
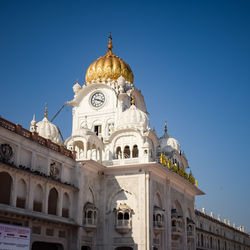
(123, 226)
(123, 219)
(177, 224)
(89, 224)
(90, 217)
(190, 229)
(158, 220)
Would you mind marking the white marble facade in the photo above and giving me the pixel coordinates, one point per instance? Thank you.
(107, 186)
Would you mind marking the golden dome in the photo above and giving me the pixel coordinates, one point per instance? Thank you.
(109, 66)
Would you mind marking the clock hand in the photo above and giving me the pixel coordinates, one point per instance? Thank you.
(97, 99)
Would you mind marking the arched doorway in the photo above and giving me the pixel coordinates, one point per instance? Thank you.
(46, 246)
(52, 203)
(5, 187)
(85, 248)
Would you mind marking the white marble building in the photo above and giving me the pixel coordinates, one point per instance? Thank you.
(113, 184)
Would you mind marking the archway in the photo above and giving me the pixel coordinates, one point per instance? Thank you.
(85, 248)
(52, 203)
(5, 187)
(46, 246)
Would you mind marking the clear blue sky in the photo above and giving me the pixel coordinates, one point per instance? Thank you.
(191, 59)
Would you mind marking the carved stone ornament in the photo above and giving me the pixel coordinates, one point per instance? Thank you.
(6, 152)
(54, 171)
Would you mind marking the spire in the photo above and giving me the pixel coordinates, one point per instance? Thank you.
(33, 124)
(165, 127)
(46, 110)
(110, 46)
(133, 100)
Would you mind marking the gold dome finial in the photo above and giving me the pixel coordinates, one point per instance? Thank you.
(110, 46)
(46, 110)
(133, 100)
(165, 127)
(109, 66)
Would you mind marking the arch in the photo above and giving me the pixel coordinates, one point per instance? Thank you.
(126, 152)
(157, 200)
(120, 216)
(178, 208)
(135, 151)
(126, 216)
(5, 187)
(38, 198)
(118, 153)
(52, 201)
(79, 148)
(121, 196)
(85, 248)
(21, 194)
(66, 205)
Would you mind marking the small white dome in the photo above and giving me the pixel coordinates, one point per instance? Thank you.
(77, 87)
(169, 144)
(48, 130)
(133, 118)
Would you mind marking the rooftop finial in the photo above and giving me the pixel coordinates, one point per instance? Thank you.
(110, 46)
(165, 127)
(46, 110)
(133, 100)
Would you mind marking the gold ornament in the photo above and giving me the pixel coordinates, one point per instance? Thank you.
(110, 67)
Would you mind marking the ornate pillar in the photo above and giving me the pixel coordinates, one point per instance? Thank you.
(59, 202)
(13, 191)
(30, 194)
(46, 194)
(85, 149)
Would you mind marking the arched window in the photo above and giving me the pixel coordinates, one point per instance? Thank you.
(38, 198)
(89, 214)
(135, 152)
(126, 152)
(118, 153)
(5, 187)
(120, 216)
(52, 202)
(202, 240)
(126, 216)
(66, 205)
(21, 194)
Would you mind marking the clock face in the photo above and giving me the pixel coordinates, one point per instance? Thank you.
(97, 99)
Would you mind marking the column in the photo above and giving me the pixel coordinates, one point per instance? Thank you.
(59, 202)
(14, 191)
(168, 222)
(45, 203)
(30, 194)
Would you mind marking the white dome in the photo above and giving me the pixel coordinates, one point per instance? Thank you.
(48, 130)
(169, 144)
(133, 118)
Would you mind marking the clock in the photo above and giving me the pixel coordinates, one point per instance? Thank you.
(97, 99)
